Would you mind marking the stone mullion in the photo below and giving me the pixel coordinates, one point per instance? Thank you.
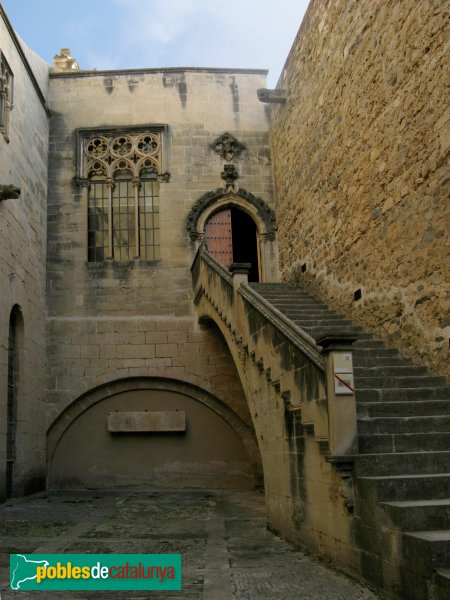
(8, 107)
(84, 184)
(110, 185)
(136, 185)
(3, 110)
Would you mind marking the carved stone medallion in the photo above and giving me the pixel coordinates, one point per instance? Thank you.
(227, 146)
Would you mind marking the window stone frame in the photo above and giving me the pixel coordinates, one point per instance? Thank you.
(82, 179)
(6, 95)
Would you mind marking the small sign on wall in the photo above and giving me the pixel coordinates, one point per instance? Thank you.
(147, 421)
(343, 373)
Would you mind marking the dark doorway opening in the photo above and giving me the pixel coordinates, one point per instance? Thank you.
(231, 236)
(245, 241)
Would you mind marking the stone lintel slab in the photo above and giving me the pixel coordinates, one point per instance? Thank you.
(147, 422)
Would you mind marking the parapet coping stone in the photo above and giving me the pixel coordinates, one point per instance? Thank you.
(143, 71)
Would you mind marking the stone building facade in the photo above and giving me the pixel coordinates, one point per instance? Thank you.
(133, 317)
(110, 314)
(131, 358)
(24, 134)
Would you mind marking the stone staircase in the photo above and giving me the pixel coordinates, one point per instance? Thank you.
(402, 472)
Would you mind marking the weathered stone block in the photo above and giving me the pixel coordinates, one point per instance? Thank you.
(135, 422)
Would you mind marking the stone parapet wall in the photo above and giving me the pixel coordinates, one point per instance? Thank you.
(360, 155)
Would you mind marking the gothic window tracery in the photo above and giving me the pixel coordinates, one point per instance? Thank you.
(6, 95)
(122, 173)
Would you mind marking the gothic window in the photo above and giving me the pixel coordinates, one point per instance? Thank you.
(123, 174)
(6, 95)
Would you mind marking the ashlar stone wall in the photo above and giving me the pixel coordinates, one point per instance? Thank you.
(113, 320)
(361, 153)
(23, 226)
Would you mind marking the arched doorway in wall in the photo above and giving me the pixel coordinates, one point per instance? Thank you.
(104, 440)
(250, 226)
(231, 236)
(15, 345)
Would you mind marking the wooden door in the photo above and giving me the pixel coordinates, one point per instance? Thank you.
(218, 237)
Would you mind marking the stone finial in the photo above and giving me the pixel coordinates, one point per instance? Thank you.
(9, 192)
(272, 96)
(64, 62)
(229, 174)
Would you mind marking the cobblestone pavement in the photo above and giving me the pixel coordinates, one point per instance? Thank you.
(227, 551)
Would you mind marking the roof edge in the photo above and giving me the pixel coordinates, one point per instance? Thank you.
(24, 59)
(94, 73)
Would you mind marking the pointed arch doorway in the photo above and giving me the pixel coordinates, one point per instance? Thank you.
(231, 236)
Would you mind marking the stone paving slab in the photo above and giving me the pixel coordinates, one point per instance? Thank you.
(228, 554)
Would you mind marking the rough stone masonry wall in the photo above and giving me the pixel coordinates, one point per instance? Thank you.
(23, 163)
(361, 167)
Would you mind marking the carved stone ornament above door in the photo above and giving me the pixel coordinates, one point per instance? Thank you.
(227, 146)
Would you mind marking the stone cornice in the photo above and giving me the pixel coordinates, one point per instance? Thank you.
(172, 70)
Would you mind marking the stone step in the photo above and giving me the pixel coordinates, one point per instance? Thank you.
(370, 360)
(370, 344)
(427, 550)
(417, 585)
(404, 409)
(402, 394)
(384, 488)
(289, 298)
(419, 515)
(303, 309)
(401, 463)
(376, 352)
(308, 314)
(401, 381)
(306, 303)
(304, 322)
(389, 371)
(300, 308)
(363, 335)
(403, 442)
(441, 584)
(416, 424)
(319, 332)
(277, 288)
(311, 312)
(285, 295)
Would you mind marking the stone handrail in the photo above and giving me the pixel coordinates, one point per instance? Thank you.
(264, 341)
(299, 338)
(304, 342)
